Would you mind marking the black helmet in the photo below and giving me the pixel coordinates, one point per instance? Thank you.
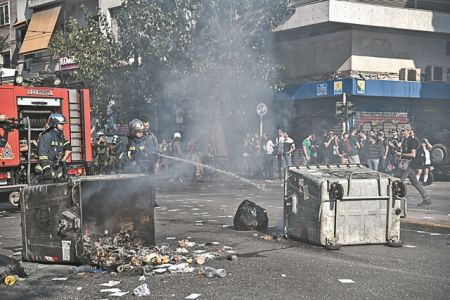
(56, 119)
(100, 134)
(135, 125)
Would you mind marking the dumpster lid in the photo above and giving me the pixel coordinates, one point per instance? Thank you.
(339, 171)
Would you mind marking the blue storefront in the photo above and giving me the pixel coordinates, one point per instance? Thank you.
(425, 106)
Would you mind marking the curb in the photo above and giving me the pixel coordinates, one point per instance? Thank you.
(427, 224)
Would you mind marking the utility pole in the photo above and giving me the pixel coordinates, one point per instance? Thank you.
(345, 119)
(344, 110)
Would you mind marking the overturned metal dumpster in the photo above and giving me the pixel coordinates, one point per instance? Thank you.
(57, 217)
(343, 205)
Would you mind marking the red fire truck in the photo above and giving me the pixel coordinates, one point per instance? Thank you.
(31, 106)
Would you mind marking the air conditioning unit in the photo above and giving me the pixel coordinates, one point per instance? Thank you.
(436, 73)
(406, 74)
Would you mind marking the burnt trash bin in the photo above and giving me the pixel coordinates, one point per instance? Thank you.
(338, 205)
(56, 217)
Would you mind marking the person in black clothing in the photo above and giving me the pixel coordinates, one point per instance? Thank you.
(327, 146)
(409, 151)
(142, 153)
(53, 150)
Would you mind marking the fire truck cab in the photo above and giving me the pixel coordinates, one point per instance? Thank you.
(32, 107)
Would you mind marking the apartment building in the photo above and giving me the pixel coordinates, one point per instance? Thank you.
(390, 58)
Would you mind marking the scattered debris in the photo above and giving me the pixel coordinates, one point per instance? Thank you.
(142, 290)
(10, 266)
(142, 278)
(200, 260)
(121, 253)
(118, 294)
(232, 257)
(272, 237)
(113, 290)
(79, 288)
(211, 272)
(283, 275)
(86, 268)
(11, 279)
(186, 243)
(193, 296)
(346, 281)
(60, 279)
(110, 283)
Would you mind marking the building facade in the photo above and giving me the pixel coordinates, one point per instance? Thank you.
(28, 26)
(390, 58)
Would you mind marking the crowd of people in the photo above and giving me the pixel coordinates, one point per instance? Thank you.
(373, 148)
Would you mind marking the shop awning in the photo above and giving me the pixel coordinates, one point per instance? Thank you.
(40, 30)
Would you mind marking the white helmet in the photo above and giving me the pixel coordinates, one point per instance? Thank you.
(177, 135)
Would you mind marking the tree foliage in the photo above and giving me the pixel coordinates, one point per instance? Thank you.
(209, 52)
(232, 66)
(93, 46)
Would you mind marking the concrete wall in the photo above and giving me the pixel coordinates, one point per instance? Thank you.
(391, 50)
(37, 3)
(105, 5)
(366, 49)
(368, 15)
(315, 55)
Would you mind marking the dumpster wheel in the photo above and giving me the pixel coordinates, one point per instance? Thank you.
(332, 245)
(394, 244)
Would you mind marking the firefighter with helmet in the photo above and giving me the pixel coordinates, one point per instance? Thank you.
(142, 153)
(116, 148)
(101, 154)
(53, 151)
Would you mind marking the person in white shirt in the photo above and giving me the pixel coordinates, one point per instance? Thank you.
(288, 150)
(268, 147)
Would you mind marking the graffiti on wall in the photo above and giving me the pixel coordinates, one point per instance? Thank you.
(381, 120)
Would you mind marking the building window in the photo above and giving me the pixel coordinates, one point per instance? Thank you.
(448, 48)
(115, 30)
(6, 58)
(4, 13)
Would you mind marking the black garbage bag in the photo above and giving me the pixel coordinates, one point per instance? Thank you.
(250, 216)
(10, 266)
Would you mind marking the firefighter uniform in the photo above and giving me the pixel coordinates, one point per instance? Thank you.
(101, 154)
(51, 148)
(141, 156)
(116, 148)
(142, 151)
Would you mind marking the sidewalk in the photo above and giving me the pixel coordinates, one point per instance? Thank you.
(436, 215)
(427, 218)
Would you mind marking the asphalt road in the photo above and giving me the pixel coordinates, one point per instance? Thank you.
(284, 269)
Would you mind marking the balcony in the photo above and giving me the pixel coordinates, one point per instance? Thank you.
(358, 12)
(36, 3)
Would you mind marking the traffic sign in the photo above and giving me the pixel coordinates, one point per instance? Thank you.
(261, 109)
